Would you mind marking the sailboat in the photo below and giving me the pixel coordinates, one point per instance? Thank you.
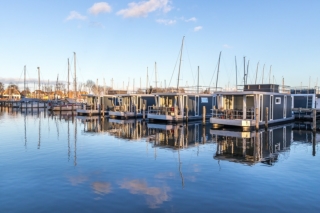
(68, 104)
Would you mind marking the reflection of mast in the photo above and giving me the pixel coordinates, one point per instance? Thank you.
(181, 175)
(25, 130)
(75, 142)
(68, 140)
(57, 127)
(39, 135)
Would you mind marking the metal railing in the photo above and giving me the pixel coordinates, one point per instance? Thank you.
(233, 114)
(125, 108)
(163, 110)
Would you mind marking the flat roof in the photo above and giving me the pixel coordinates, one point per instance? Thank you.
(249, 93)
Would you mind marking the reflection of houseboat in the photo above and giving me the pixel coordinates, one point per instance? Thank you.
(174, 107)
(32, 103)
(178, 136)
(252, 147)
(244, 109)
(131, 129)
(130, 105)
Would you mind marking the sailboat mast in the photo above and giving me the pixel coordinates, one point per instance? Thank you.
(247, 72)
(180, 63)
(218, 71)
(235, 59)
(198, 81)
(155, 70)
(244, 70)
(256, 73)
(24, 81)
(68, 76)
(263, 73)
(75, 77)
(147, 81)
(39, 82)
(270, 74)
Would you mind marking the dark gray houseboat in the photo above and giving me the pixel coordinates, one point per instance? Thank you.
(256, 103)
(130, 105)
(175, 107)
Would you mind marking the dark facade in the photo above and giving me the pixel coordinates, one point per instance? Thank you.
(195, 104)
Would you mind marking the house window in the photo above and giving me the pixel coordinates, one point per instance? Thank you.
(278, 100)
(204, 100)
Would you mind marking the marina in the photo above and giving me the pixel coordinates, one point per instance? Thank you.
(84, 156)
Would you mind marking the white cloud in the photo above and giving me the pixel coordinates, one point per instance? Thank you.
(166, 21)
(100, 7)
(191, 19)
(75, 15)
(227, 46)
(196, 29)
(142, 8)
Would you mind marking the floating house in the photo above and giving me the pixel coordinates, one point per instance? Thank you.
(256, 103)
(177, 107)
(129, 105)
(303, 101)
(304, 98)
(91, 107)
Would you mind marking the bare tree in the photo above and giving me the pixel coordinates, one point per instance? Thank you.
(1, 86)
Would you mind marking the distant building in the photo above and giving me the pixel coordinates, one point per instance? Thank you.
(11, 93)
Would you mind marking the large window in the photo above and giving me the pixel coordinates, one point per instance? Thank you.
(271, 108)
(285, 106)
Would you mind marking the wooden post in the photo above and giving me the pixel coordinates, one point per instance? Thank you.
(144, 112)
(187, 113)
(99, 109)
(135, 111)
(267, 118)
(314, 120)
(103, 110)
(314, 143)
(257, 118)
(71, 108)
(203, 134)
(204, 114)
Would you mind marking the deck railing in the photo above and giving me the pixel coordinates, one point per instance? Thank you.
(125, 108)
(232, 114)
(162, 110)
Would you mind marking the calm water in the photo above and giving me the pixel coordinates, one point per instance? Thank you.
(53, 163)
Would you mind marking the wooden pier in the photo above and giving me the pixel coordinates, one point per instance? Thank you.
(307, 114)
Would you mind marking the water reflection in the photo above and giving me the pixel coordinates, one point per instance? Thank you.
(101, 188)
(154, 195)
(253, 147)
(184, 158)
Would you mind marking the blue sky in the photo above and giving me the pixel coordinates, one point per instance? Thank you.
(119, 39)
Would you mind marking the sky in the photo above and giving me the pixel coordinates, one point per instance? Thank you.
(122, 39)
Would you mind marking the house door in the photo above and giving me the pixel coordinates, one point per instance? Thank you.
(196, 105)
